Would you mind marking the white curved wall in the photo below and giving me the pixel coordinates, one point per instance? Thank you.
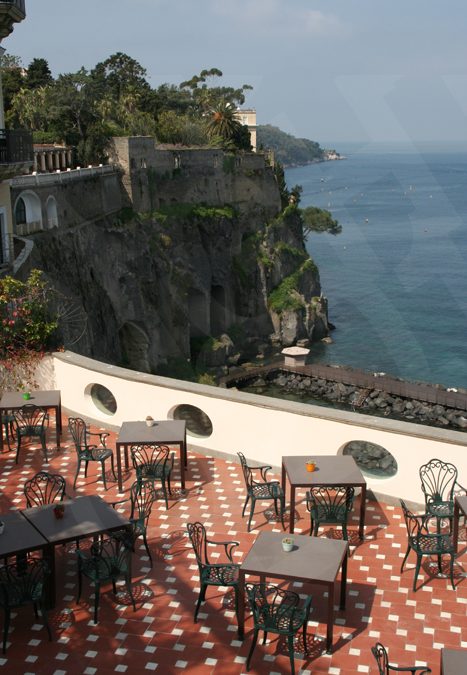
(262, 428)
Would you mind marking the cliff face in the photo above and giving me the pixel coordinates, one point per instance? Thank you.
(152, 288)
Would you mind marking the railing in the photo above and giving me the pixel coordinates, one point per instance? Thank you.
(61, 176)
(263, 428)
(15, 147)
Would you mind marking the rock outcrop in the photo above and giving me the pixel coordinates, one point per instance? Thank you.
(153, 287)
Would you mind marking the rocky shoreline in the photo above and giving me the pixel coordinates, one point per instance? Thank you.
(366, 400)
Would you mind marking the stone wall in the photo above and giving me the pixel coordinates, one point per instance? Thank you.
(155, 176)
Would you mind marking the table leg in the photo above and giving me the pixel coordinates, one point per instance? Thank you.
(330, 625)
(182, 464)
(241, 605)
(292, 509)
(283, 480)
(361, 529)
(50, 594)
(455, 537)
(1, 431)
(344, 579)
(58, 426)
(118, 450)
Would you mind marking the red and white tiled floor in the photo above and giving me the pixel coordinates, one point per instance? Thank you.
(161, 636)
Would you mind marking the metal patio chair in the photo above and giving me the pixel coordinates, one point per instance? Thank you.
(426, 543)
(153, 462)
(277, 611)
(30, 421)
(21, 585)
(87, 452)
(44, 488)
(330, 505)
(261, 489)
(385, 668)
(439, 485)
(213, 574)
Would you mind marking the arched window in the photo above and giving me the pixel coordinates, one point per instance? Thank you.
(20, 212)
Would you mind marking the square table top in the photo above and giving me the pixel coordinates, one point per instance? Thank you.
(166, 431)
(19, 536)
(330, 470)
(83, 517)
(314, 559)
(453, 661)
(462, 501)
(44, 399)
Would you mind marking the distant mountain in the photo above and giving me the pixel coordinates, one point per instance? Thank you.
(288, 149)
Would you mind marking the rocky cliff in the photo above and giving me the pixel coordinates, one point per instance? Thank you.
(187, 282)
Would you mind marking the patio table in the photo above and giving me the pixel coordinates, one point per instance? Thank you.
(453, 661)
(19, 536)
(314, 560)
(49, 400)
(166, 432)
(83, 517)
(330, 470)
(460, 506)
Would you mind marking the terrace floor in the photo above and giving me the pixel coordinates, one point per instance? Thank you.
(161, 636)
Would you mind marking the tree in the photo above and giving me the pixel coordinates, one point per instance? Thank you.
(27, 327)
(121, 74)
(12, 82)
(319, 220)
(38, 74)
(222, 121)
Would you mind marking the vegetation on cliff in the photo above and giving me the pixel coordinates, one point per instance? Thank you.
(288, 149)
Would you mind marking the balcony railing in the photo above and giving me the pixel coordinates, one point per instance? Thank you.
(19, 4)
(15, 147)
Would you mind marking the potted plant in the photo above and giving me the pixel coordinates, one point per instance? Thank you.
(149, 421)
(26, 395)
(59, 511)
(287, 544)
(310, 465)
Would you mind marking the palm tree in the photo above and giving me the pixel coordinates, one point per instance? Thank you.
(222, 120)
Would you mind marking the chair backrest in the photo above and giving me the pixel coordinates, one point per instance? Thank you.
(381, 656)
(334, 502)
(78, 432)
(248, 474)
(24, 583)
(142, 496)
(413, 523)
(111, 557)
(438, 480)
(44, 488)
(149, 459)
(273, 608)
(197, 534)
(30, 418)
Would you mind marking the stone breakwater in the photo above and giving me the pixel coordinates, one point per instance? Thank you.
(371, 399)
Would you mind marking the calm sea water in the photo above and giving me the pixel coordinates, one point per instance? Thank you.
(396, 278)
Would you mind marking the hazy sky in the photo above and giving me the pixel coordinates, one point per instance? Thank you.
(332, 71)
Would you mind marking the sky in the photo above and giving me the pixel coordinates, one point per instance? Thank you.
(336, 70)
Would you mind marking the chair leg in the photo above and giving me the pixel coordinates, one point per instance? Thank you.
(452, 570)
(244, 505)
(440, 566)
(252, 509)
(80, 584)
(164, 490)
(44, 447)
(18, 446)
(77, 473)
(86, 468)
(46, 621)
(316, 528)
(344, 532)
(201, 596)
(147, 547)
(113, 467)
(291, 653)
(130, 591)
(405, 558)
(252, 649)
(97, 592)
(6, 626)
(417, 570)
(103, 473)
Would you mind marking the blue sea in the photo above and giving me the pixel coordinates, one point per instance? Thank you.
(396, 277)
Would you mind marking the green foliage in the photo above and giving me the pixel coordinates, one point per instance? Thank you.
(283, 247)
(288, 150)
(193, 211)
(25, 314)
(286, 296)
(319, 220)
(228, 164)
(38, 74)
